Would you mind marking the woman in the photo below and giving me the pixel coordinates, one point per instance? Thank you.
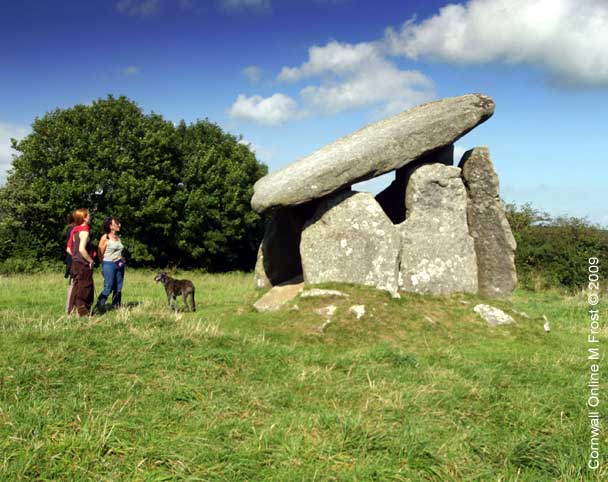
(68, 260)
(83, 290)
(113, 265)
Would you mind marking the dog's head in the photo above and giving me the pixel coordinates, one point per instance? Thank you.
(161, 277)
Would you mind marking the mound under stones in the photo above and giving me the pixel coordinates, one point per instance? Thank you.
(436, 229)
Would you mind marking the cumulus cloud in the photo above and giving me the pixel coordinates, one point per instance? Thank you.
(142, 8)
(566, 37)
(355, 76)
(337, 58)
(350, 76)
(8, 131)
(253, 73)
(273, 110)
(382, 84)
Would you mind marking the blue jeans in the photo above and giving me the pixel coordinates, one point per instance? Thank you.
(112, 282)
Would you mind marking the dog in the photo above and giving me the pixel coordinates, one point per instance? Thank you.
(175, 287)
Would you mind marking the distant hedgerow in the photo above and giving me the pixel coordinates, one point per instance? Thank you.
(554, 251)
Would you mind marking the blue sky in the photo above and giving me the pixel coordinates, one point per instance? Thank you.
(293, 75)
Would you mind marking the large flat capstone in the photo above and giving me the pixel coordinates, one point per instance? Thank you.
(378, 148)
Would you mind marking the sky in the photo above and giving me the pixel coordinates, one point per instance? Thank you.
(290, 76)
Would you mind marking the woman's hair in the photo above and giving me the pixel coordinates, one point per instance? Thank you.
(71, 218)
(79, 216)
(107, 224)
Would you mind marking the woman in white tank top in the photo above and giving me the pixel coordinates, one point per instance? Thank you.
(113, 264)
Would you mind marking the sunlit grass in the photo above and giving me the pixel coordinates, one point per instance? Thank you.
(418, 389)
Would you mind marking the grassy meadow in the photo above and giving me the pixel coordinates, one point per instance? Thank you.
(418, 389)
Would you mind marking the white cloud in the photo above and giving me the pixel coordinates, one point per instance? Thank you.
(337, 58)
(143, 8)
(567, 37)
(358, 75)
(253, 73)
(8, 131)
(260, 6)
(380, 84)
(273, 110)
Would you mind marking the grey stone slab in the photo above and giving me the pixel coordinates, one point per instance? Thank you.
(438, 254)
(392, 199)
(277, 297)
(494, 243)
(493, 316)
(351, 240)
(373, 150)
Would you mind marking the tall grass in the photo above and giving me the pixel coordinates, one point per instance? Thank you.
(418, 389)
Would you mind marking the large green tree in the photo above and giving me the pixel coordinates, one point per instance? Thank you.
(182, 193)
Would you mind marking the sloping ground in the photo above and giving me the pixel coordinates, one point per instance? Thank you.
(417, 389)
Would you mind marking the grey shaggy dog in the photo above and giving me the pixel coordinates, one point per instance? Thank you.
(175, 287)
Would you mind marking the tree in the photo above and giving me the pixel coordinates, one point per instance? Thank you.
(158, 179)
(218, 227)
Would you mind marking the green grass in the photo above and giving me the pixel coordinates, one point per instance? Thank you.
(419, 389)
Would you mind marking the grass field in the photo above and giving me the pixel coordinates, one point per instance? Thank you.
(418, 389)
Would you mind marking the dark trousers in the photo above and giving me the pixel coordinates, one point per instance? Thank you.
(83, 291)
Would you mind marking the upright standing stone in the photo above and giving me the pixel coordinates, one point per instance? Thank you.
(392, 199)
(260, 277)
(351, 240)
(381, 147)
(494, 242)
(279, 253)
(438, 255)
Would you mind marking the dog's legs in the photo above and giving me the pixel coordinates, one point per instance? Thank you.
(175, 302)
(192, 299)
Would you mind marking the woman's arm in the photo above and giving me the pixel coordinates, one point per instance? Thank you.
(103, 244)
(82, 249)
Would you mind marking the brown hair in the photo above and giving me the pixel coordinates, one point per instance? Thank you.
(80, 215)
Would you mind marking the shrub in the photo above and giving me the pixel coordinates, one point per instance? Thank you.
(553, 252)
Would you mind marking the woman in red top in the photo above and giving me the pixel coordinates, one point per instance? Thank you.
(83, 291)
(68, 261)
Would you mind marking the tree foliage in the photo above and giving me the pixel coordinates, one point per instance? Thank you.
(554, 250)
(182, 192)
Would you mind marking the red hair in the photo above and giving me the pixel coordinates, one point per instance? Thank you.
(80, 215)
